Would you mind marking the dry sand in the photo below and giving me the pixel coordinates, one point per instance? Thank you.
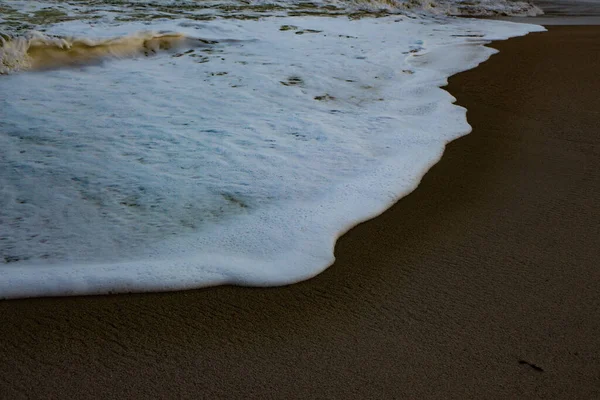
(483, 283)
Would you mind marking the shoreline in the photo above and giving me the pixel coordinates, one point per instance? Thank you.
(483, 282)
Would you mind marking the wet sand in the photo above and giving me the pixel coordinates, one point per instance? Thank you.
(483, 283)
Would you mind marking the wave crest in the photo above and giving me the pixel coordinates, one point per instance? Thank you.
(35, 50)
(451, 7)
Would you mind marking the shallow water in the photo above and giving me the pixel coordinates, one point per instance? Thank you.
(174, 153)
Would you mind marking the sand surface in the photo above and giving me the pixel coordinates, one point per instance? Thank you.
(483, 283)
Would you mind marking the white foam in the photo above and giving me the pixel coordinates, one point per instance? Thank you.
(448, 7)
(98, 12)
(240, 163)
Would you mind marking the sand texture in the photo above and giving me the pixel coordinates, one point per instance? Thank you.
(483, 283)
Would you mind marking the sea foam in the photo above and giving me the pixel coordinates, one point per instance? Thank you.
(239, 161)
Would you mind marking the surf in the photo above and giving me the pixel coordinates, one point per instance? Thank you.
(230, 163)
(38, 51)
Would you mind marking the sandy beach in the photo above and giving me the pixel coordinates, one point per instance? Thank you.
(483, 283)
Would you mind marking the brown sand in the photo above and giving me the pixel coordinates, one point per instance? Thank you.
(483, 283)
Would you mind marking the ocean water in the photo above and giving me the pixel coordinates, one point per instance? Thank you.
(579, 8)
(164, 145)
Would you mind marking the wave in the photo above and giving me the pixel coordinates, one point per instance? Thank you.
(37, 51)
(483, 8)
(243, 169)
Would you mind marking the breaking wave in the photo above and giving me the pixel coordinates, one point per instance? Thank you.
(482, 8)
(35, 50)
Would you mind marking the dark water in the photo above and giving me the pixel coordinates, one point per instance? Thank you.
(569, 7)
